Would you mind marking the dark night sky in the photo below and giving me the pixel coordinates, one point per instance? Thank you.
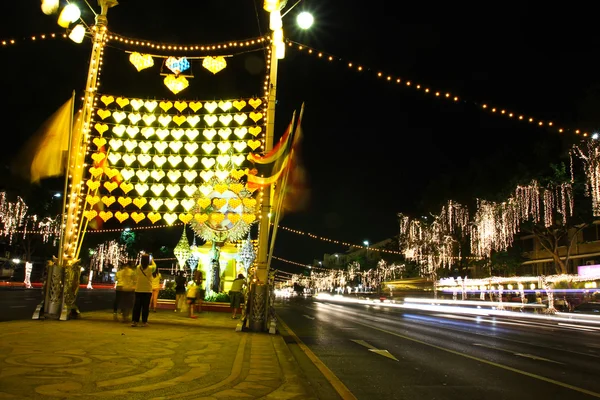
(372, 148)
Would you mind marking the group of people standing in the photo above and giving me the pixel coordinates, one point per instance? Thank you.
(137, 289)
(190, 293)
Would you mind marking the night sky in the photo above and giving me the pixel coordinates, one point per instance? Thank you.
(372, 148)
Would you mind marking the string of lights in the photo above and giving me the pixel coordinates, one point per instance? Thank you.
(289, 262)
(432, 92)
(34, 38)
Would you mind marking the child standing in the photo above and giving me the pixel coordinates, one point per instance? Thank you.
(156, 277)
(191, 294)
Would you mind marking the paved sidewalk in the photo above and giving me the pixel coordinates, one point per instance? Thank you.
(174, 358)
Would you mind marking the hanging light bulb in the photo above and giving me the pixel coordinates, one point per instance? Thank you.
(68, 15)
(49, 7)
(77, 34)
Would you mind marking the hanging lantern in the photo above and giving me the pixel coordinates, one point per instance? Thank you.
(77, 34)
(182, 250)
(141, 61)
(176, 83)
(177, 64)
(194, 255)
(214, 64)
(247, 254)
(68, 15)
(49, 7)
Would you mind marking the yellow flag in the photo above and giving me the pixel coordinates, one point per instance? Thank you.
(45, 154)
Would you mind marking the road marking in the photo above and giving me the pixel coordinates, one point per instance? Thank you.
(484, 361)
(579, 327)
(337, 384)
(308, 316)
(372, 348)
(517, 354)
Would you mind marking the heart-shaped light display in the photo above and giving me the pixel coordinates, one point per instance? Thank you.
(216, 218)
(92, 199)
(214, 64)
(145, 146)
(157, 174)
(165, 105)
(255, 130)
(104, 113)
(254, 144)
(190, 190)
(157, 188)
(121, 216)
(208, 162)
(248, 218)
(111, 172)
(159, 160)
(208, 147)
(206, 189)
(173, 189)
(176, 145)
(190, 161)
(119, 116)
(137, 217)
(132, 131)
(173, 175)
(209, 133)
(177, 64)
(237, 173)
(219, 203)
(187, 204)
(156, 203)
(234, 203)
(128, 159)
(239, 104)
(176, 84)
(142, 174)
(148, 132)
(118, 130)
(225, 119)
(153, 217)
(238, 146)
(185, 217)
(108, 200)
(97, 157)
(233, 217)
(221, 188)
(90, 214)
(191, 147)
(107, 100)
(211, 106)
(124, 201)
(101, 128)
(141, 61)
(255, 102)
(181, 105)
(236, 187)
(201, 218)
(130, 145)
(114, 158)
(240, 132)
(162, 133)
(164, 120)
(255, 116)
(207, 174)
(126, 187)
(221, 174)
(225, 133)
(150, 105)
(110, 186)
(195, 105)
(192, 133)
(203, 202)
(225, 105)
(149, 119)
(179, 119)
(105, 215)
(210, 119)
(240, 118)
(171, 204)
(127, 173)
(122, 102)
(223, 159)
(144, 159)
(177, 133)
(136, 104)
(193, 120)
(141, 188)
(174, 160)
(237, 159)
(170, 218)
(190, 175)
(249, 202)
(223, 146)
(140, 202)
(93, 185)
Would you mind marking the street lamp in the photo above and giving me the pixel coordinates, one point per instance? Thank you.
(366, 243)
(305, 20)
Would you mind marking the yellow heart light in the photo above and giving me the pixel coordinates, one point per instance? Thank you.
(225, 119)
(233, 218)
(101, 128)
(136, 104)
(176, 145)
(185, 217)
(124, 201)
(217, 218)
(181, 105)
(156, 203)
(249, 202)
(221, 174)
(190, 190)
(170, 218)
(221, 188)
(225, 133)
(107, 100)
(225, 105)
(239, 104)
(149, 119)
(145, 146)
(90, 214)
(236, 188)
(187, 204)
(119, 116)
(195, 105)
(128, 159)
(150, 105)
(127, 173)
(223, 159)
(130, 145)
(141, 61)
(206, 189)
(208, 147)
(140, 202)
(157, 174)
(254, 144)
(173, 175)
(255, 116)
(92, 199)
(95, 171)
(153, 217)
(144, 159)
(97, 157)
(177, 133)
(234, 203)
(191, 147)
(203, 202)
(104, 113)
(134, 117)
(164, 120)
(210, 119)
(174, 160)
(157, 188)
(209, 133)
(173, 189)
(240, 132)
(210, 106)
(111, 172)
(176, 83)
(190, 175)
(93, 185)
(219, 203)
(237, 173)
(248, 218)
(240, 118)
(171, 204)
(165, 105)
(190, 161)
(159, 160)
(142, 174)
(114, 158)
(137, 217)
(255, 130)
(193, 120)
(160, 147)
(118, 130)
(224, 146)
(208, 162)
(126, 187)
(255, 102)
(110, 186)
(237, 159)
(192, 133)
(132, 131)
(121, 216)
(148, 132)
(141, 188)
(122, 102)
(179, 119)
(201, 218)
(239, 146)
(207, 175)
(214, 64)
(108, 200)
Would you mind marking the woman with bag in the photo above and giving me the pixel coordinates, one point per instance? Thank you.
(143, 290)
(156, 277)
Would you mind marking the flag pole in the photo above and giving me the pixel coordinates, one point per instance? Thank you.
(66, 186)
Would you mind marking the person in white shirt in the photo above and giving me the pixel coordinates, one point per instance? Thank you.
(143, 290)
(156, 277)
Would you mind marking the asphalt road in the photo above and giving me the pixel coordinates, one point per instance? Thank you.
(387, 353)
(19, 303)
